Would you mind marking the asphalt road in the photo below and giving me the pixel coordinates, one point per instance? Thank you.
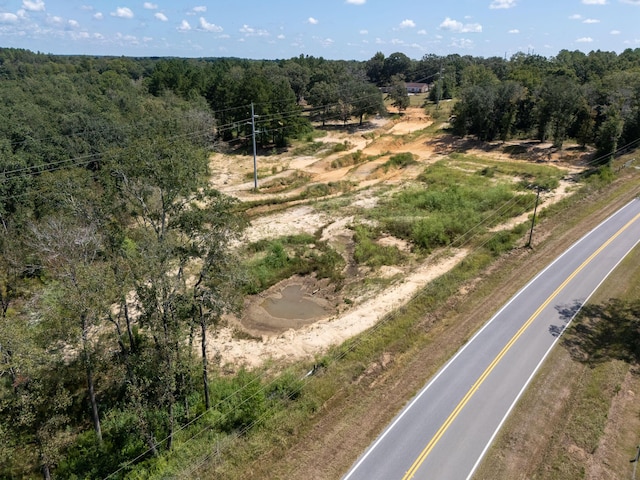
(444, 431)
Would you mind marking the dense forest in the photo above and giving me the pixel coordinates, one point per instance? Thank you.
(115, 254)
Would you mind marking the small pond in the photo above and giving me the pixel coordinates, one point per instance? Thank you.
(293, 304)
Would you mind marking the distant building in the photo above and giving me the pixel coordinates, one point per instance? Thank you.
(411, 87)
(416, 87)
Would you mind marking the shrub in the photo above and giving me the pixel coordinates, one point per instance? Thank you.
(370, 253)
(239, 400)
(501, 242)
(400, 160)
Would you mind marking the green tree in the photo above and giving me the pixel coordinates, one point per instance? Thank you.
(608, 135)
(34, 401)
(375, 68)
(474, 114)
(217, 289)
(558, 105)
(299, 77)
(359, 98)
(82, 298)
(399, 95)
(324, 97)
(395, 64)
(508, 102)
(478, 75)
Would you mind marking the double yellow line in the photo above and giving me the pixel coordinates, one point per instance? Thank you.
(434, 440)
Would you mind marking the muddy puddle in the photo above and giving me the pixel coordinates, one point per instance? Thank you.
(290, 305)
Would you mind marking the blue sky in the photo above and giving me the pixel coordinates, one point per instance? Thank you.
(333, 29)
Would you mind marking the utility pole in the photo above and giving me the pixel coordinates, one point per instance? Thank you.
(253, 135)
(533, 220)
(635, 463)
(439, 88)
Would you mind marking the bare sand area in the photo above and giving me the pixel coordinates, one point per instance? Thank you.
(301, 317)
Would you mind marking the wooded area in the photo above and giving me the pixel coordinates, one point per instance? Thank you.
(115, 254)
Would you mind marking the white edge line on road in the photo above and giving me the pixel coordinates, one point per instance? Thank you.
(533, 374)
(459, 352)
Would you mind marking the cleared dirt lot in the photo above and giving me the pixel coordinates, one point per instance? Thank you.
(380, 139)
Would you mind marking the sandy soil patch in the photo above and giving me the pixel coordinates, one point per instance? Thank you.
(313, 339)
(292, 339)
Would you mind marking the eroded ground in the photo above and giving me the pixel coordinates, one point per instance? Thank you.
(274, 336)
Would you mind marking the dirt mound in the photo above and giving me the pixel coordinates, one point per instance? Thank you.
(314, 316)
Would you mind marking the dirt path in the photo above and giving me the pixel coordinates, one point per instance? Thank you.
(233, 175)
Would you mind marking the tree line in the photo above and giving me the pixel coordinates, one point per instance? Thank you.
(115, 258)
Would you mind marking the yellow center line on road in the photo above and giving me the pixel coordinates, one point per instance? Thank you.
(430, 446)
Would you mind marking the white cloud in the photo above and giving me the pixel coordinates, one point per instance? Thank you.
(422, 32)
(73, 23)
(591, 20)
(161, 16)
(8, 18)
(515, 30)
(615, 32)
(184, 26)
(252, 32)
(594, 2)
(462, 43)
(98, 16)
(209, 27)
(407, 24)
(357, 2)
(631, 2)
(575, 16)
(497, 4)
(281, 37)
(327, 42)
(122, 12)
(459, 27)
(200, 9)
(150, 6)
(312, 21)
(364, 32)
(584, 40)
(127, 38)
(33, 5)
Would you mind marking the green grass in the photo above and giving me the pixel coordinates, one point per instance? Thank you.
(270, 261)
(369, 252)
(354, 158)
(401, 160)
(284, 183)
(449, 203)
